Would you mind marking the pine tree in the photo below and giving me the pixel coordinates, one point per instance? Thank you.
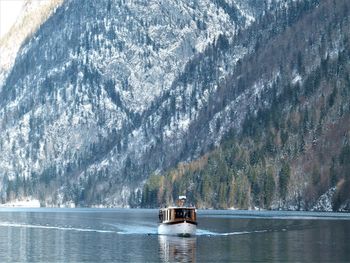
(284, 176)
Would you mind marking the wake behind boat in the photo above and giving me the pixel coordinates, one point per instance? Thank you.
(179, 220)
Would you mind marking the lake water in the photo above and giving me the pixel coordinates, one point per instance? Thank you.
(127, 235)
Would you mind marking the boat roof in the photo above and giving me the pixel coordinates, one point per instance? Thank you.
(174, 207)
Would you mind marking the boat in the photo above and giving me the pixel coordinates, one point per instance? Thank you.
(178, 220)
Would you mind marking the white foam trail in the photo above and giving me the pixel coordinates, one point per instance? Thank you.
(152, 230)
(202, 232)
(135, 230)
(125, 229)
(6, 224)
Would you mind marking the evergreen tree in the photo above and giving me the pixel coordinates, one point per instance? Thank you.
(284, 176)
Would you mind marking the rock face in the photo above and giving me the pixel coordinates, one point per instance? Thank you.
(325, 202)
(94, 95)
(106, 93)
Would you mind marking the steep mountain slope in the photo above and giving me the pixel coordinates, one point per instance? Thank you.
(81, 105)
(292, 149)
(108, 92)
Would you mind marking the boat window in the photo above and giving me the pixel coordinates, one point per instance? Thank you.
(178, 213)
(182, 213)
(160, 216)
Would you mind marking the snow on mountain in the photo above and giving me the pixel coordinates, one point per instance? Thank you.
(325, 201)
(33, 14)
(104, 93)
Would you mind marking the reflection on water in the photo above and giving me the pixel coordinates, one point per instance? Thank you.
(126, 235)
(177, 249)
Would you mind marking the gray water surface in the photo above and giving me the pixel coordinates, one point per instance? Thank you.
(128, 235)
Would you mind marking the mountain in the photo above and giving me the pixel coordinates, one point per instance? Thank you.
(78, 107)
(128, 103)
(290, 150)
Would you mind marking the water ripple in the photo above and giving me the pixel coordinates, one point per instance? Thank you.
(19, 225)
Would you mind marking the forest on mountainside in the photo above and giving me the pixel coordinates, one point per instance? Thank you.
(293, 145)
(237, 104)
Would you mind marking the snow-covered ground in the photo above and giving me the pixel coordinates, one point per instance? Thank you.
(29, 203)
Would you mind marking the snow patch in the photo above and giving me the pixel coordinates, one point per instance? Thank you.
(324, 203)
(297, 79)
(28, 203)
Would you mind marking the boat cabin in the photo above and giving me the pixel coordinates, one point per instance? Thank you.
(178, 214)
(173, 215)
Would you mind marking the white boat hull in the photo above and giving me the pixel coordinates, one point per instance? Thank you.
(178, 229)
